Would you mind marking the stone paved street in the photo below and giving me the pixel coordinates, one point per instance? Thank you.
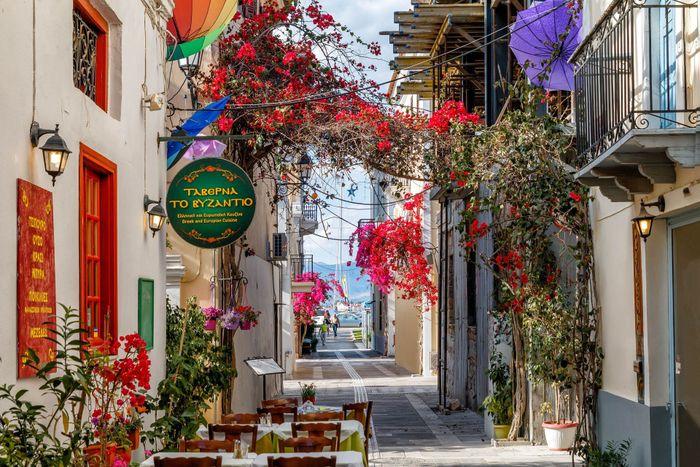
(408, 431)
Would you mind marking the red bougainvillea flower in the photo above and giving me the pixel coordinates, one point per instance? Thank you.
(575, 196)
(246, 52)
(451, 112)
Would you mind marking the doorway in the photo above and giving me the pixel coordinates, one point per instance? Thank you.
(685, 345)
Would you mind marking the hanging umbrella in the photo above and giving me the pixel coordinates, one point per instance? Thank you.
(204, 148)
(192, 127)
(535, 40)
(196, 24)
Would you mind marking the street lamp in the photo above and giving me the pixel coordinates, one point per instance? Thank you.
(156, 214)
(190, 65)
(304, 168)
(54, 149)
(644, 221)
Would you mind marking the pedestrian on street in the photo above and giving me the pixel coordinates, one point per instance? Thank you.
(324, 330)
(335, 322)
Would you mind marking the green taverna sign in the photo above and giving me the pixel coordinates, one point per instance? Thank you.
(211, 202)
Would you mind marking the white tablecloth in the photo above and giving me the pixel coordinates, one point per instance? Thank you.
(203, 432)
(347, 428)
(343, 458)
(227, 458)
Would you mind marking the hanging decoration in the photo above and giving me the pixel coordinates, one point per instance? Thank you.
(543, 38)
(196, 24)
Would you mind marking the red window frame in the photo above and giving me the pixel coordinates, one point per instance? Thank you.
(98, 285)
(92, 16)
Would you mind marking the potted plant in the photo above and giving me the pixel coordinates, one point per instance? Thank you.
(559, 432)
(308, 392)
(212, 314)
(499, 404)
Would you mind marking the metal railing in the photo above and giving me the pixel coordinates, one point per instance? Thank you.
(300, 264)
(310, 212)
(631, 72)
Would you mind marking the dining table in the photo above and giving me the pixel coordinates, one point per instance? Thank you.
(264, 442)
(227, 458)
(342, 458)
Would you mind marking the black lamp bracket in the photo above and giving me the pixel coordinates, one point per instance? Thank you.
(35, 132)
(147, 202)
(660, 204)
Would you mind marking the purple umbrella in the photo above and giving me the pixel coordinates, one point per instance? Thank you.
(539, 38)
(204, 148)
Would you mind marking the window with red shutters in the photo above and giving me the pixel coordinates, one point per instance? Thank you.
(98, 243)
(90, 40)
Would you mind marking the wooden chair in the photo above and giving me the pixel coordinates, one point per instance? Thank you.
(362, 412)
(234, 432)
(321, 416)
(318, 430)
(187, 461)
(240, 419)
(279, 412)
(292, 401)
(307, 444)
(205, 445)
(301, 461)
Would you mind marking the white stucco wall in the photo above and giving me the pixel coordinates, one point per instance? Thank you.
(126, 135)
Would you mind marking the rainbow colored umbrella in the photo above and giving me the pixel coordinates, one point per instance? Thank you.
(196, 24)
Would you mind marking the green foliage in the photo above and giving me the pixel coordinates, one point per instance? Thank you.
(499, 404)
(34, 434)
(613, 455)
(197, 369)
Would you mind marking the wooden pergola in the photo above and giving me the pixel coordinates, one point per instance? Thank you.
(438, 46)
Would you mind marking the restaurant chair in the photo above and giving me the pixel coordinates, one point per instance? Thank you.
(318, 430)
(240, 419)
(278, 413)
(205, 445)
(292, 401)
(362, 412)
(187, 461)
(307, 444)
(321, 416)
(234, 432)
(301, 461)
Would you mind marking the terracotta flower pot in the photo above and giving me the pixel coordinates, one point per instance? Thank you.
(135, 438)
(93, 454)
(560, 436)
(210, 325)
(501, 431)
(311, 399)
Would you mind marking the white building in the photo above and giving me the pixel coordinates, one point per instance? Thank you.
(86, 65)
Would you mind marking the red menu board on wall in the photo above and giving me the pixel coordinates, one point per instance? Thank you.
(36, 278)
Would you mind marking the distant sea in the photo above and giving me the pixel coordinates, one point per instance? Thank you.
(358, 287)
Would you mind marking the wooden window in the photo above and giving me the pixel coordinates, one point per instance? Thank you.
(90, 38)
(98, 243)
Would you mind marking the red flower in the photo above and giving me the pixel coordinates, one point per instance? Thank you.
(246, 52)
(384, 146)
(575, 196)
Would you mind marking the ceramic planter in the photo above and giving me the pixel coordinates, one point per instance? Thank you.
(311, 399)
(560, 436)
(501, 431)
(210, 325)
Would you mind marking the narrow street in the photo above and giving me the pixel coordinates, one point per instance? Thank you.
(407, 429)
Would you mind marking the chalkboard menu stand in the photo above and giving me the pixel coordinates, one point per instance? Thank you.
(263, 366)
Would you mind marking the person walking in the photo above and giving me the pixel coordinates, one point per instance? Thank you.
(324, 329)
(335, 322)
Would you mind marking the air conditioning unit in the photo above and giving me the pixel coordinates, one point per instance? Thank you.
(278, 249)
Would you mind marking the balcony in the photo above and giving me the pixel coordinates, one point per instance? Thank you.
(306, 216)
(636, 97)
(299, 264)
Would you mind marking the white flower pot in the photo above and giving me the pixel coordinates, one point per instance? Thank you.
(559, 436)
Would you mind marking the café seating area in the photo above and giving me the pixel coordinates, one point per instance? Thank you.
(283, 433)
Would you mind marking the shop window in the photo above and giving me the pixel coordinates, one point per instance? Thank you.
(98, 244)
(90, 37)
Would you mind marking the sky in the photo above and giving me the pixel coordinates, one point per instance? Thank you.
(366, 18)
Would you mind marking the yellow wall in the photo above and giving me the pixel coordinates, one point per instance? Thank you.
(408, 335)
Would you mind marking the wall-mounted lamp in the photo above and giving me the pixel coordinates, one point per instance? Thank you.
(644, 220)
(55, 150)
(156, 214)
(304, 168)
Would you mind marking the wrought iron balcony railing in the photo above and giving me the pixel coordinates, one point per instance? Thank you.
(300, 264)
(633, 72)
(310, 212)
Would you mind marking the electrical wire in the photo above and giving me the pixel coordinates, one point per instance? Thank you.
(341, 93)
